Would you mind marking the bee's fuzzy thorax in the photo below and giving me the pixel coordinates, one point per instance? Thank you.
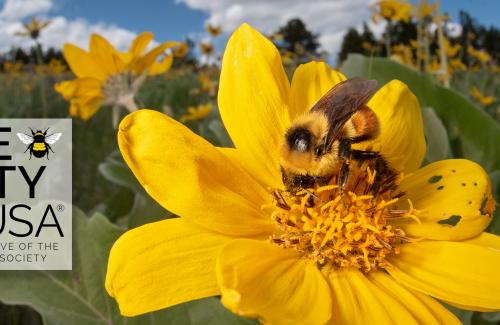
(315, 122)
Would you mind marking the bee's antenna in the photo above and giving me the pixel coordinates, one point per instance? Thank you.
(32, 132)
(46, 131)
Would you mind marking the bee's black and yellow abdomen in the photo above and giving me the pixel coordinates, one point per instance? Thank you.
(39, 146)
(39, 149)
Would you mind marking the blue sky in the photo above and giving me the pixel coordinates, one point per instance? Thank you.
(120, 20)
(169, 19)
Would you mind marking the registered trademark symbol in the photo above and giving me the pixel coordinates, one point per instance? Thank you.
(60, 207)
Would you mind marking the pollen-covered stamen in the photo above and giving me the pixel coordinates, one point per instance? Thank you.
(342, 228)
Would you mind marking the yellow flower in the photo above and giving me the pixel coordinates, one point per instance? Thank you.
(106, 76)
(481, 98)
(403, 54)
(394, 10)
(214, 30)
(288, 57)
(206, 48)
(181, 51)
(55, 68)
(226, 243)
(426, 10)
(457, 64)
(494, 69)
(481, 55)
(207, 85)
(33, 29)
(276, 37)
(451, 50)
(197, 113)
(14, 69)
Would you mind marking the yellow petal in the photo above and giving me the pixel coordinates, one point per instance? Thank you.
(105, 54)
(485, 240)
(309, 83)
(262, 280)
(401, 140)
(358, 301)
(66, 88)
(253, 98)
(190, 177)
(162, 264)
(140, 43)
(424, 309)
(452, 197)
(89, 87)
(237, 159)
(81, 63)
(145, 62)
(161, 67)
(458, 272)
(85, 107)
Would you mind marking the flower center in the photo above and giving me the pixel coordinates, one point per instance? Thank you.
(120, 88)
(346, 227)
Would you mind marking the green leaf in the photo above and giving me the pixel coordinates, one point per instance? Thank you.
(141, 208)
(79, 297)
(116, 205)
(145, 210)
(473, 133)
(117, 172)
(438, 144)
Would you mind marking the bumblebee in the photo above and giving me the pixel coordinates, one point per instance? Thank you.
(39, 142)
(317, 145)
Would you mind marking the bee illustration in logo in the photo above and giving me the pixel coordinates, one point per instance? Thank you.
(39, 142)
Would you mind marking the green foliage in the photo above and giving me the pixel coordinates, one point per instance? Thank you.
(438, 144)
(298, 39)
(78, 296)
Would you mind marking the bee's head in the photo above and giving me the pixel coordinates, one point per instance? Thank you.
(303, 150)
(301, 140)
(306, 137)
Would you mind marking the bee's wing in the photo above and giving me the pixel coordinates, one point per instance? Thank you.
(51, 139)
(342, 101)
(26, 139)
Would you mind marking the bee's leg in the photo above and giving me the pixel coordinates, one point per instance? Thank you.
(381, 167)
(345, 156)
(361, 154)
(48, 146)
(344, 174)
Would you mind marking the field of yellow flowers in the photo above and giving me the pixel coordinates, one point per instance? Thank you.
(98, 87)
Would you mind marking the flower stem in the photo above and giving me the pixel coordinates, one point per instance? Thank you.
(387, 38)
(129, 103)
(442, 49)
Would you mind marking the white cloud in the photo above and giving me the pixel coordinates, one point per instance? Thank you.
(329, 18)
(60, 30)
(18, 9)
(78, 32)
